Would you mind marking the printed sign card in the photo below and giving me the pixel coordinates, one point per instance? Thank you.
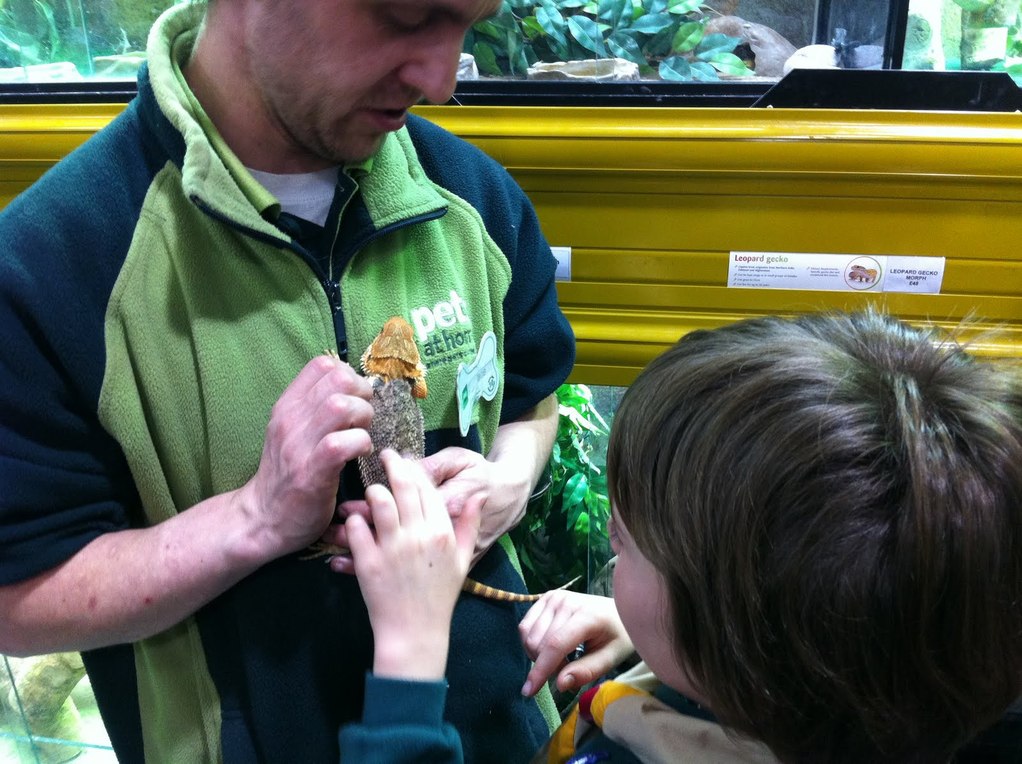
(839, 273)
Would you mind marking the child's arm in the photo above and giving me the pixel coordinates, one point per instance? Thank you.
(410, 566)
(557, 624)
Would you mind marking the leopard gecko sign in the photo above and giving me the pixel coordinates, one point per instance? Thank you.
(841, 273)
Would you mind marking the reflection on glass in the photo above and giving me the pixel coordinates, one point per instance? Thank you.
(562, 540)
(964, 35)
(611, 39)
(717, 41)
(48, 713)
(740, 40)
(71, 40)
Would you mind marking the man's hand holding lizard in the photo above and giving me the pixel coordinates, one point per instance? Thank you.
(318, 424)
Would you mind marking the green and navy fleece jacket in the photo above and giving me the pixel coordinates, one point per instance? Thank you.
(154, 309)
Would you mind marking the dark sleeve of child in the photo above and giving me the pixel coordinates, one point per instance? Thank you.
(402, 721)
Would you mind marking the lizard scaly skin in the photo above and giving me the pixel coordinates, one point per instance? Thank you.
(392, 365)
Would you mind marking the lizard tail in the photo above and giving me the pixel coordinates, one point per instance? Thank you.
(498, 595)
(471, 586)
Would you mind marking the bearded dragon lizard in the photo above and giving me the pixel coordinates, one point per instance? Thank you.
(393, 365)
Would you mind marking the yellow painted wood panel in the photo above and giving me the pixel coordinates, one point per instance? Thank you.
(782, 223)
(652, 201)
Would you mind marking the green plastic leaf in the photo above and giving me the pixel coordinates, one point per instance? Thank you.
(614, 13)
(512, 49)
(587, 33)
(531, 28)
(575, 489)
(659, 45)
(582, 523)
(584, 423)
(675, 68)
(688, 36)
(486, 61)
(729, 64)
(489, 28)
(651, 23)
(552, 23)
(572, 400)
(564, 530)
(704, 72)
(683, 6)
(598, 418)
(716, 43)
(518, 61)
(974, 5)
(598, 504)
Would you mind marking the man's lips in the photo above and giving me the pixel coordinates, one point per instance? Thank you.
(387, 118)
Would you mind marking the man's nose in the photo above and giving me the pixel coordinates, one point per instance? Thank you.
(433, 69)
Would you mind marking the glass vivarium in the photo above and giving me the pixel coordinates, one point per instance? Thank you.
(72, 40)
(981, 35)
(48, 713)
(742, 40)
(590, 40)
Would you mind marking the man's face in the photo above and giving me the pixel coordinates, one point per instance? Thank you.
(336, 75)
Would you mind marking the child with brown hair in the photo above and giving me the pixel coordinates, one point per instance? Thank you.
(818, 529)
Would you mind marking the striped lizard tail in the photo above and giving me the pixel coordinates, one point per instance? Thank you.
(471, 586)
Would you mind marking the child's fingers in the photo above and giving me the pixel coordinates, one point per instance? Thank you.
(361, 543)
(383, 510)
(587, 669)
(548, 662)
(534, 626)
(353, 507)
(544, 619)
(401, 473)
(552, 656)
(342, 563)
(530, 618)
(422, 495)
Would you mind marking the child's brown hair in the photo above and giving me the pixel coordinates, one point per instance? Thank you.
(835, 502)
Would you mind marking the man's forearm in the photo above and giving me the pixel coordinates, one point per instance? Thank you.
(131, 584)
(522, 449)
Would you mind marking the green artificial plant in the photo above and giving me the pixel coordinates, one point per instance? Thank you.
(665, 38)
(564, 534)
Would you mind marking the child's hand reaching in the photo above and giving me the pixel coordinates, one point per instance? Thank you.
(561, 621)
(410, 567)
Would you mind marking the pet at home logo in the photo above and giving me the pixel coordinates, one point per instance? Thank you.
(443, 331)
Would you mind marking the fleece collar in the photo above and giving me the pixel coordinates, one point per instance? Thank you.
(393, 184)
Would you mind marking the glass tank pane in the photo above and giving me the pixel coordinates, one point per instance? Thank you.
(71, 40)
(953, 35)
(48, 712)
(716, 41)
(684, 40)
(562, 541)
